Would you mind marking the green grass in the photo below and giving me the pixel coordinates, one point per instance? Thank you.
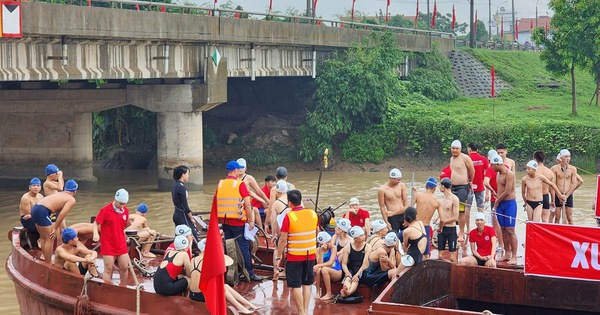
(525, 101)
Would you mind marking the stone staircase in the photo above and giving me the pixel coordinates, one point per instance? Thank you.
(473, 78)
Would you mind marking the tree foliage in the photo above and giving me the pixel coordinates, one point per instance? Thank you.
(353, 90)
(433, 78)
(443, 23)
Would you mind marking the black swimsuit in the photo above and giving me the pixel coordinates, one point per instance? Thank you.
(197, 296)
(413, 249)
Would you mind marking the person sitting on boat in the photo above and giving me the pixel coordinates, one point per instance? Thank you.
(278, 211)
(382, 262)
(62, 203)
(242, 305)
(355, 260)
(183, 230)
(72, 255)
(146, 234)
(358, 216)
(414, 240)
(334, 272)
(326, 252)
(257, 205)
(168, 279)
(483, 244)
(113, 218)
(380, 230)
(447, 225)
(28, 200)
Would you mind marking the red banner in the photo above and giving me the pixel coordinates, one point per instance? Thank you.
(562, 251)
(597, 207)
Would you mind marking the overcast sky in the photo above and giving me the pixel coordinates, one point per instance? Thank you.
(328, 9)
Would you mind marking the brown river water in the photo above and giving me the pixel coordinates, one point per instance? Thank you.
(336, 188)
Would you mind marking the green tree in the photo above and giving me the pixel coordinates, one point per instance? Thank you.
(353, 90)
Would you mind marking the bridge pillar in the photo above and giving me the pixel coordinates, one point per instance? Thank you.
(179, 142)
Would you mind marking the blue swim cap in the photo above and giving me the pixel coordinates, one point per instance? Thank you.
(71, 185)
(68, 234)
(143, 208)
(431, 182)
(233, 165)
(51, 169)
(35, 181)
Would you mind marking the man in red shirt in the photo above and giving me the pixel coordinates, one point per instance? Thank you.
(113, 218)
(232, 203)
(446, 172)
(358, 216)
(483, 244)
(480, 164)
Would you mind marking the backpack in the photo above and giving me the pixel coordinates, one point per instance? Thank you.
(232, 275)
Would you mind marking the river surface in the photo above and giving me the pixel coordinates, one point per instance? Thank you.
(336, 188)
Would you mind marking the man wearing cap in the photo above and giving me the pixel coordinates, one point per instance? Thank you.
(505, 208)
(379, 228)
(463, 173)
(478, 192)
(28, 200)
(392, 201)
(279, 209)
(568, 181)
(358, 216)
(256, 193)
(299, 235)
(54, 180)
(232, 203)
(281, 173)
(182, 214)
(483, 244)
(72, 255)
(491, 184)
(531, 190)
(448, 218)
(61, 203)
(114, 218)
(542, 169)
(139, 223)
(426, 204)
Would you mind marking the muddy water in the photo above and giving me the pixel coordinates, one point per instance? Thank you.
(336, 188)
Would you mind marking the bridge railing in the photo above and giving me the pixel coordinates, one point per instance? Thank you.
(227, 13)
(498, 46)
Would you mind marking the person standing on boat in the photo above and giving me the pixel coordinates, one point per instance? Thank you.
(61, 204)
(358, 216)
(256, 193)
(448, 218)
(478, 192)
(167, 280)
(505, 208)
(463, 173)
(263, 211)
(232, 203)
(483, 244)
(114, 218)
(542, 169)
(281, 173)
(568, 181)
(72, 255)
(28, 200)
(179, 194)
(392, 201)
(279, 210)
(299, 236)
(146, 234)
(502, 152)
(427, 204)
(532, 193)
(54, 180)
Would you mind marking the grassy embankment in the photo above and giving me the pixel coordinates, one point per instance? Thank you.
(528, 117)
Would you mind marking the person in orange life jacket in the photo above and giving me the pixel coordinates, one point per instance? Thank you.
(232, 203)
(298, 233)
(358, 216)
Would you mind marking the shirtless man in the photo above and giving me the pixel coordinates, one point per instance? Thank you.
(463, 172)
(62, 203)
(255, 192)
(54, 180)
(542, 169)
(72, 255)
(448, 218)
(85, 231)
(502, 151)
(506, 208)
(139, 222)
(531, 190)
(28, 200)
(279, 209)
(567, 180)
(392, 201)
(491, 184)
(281, 173)
(426, 204)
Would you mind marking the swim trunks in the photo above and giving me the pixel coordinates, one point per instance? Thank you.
(506, 212)
(569, 202)
(534, 204)
(448, 235)
(41, 215)
(462, 192)
(546, 201)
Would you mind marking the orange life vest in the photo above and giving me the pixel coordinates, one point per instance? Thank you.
(302, 237)
(230, 203)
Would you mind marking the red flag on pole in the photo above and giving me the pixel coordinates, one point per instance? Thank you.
(493, 92)
(163, 9)
(475, 25)
(215, 1)
(236, 15)
(352, 13)
(417, 16)
(315, 8)
(270, 5)
(89, 3)
(137, 6)
(546, 29)
(212, 281)
(434, 13)
(387, 12)
(453, 17)
(531, 25)
(516, 30)
(502, 28)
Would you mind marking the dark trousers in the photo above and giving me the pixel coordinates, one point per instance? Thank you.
(180, 217)
(231, 231)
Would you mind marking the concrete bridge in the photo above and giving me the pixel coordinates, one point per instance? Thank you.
(46, 103)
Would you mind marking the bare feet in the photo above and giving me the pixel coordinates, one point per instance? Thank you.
(507, 257)
(244, 310)
(148, 255)
(275, 275)
(512, 261)
(252, 307)
(326, 297)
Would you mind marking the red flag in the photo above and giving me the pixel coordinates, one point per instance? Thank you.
(531, 25)
(342, 25)
(319, 23)
(352, 11)
(453, 17)
(137, 6)
(387, 12)
(516, 30)
(163, 9)
(417, 16)
(475, 25)
(296, 20)
(89, 3)
(215, 1)
(502, 28)
(212, 280)
(546, 29)
(315, 8)
(493, 82)
(270, 5)
(434, 13)
(236, 15)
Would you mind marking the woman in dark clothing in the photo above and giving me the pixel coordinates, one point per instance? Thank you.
(414, 239)
(167, 279)
(355, 260)
(182, 213)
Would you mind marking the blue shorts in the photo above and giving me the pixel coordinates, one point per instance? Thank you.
(41, 215)
(506, 212)
(28, 224)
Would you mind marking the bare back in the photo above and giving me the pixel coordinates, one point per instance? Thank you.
(426, 204)
(543, 170)
(138, 222)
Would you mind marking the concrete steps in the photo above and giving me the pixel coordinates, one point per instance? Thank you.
(473, 77)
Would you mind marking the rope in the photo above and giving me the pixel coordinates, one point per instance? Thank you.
(83, 306)
(137, 289)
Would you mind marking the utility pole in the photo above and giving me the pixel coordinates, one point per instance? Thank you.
(308, 8)
(513, 21)
(428, 16)
(490, 19)
(536, 13)
(471, 34)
